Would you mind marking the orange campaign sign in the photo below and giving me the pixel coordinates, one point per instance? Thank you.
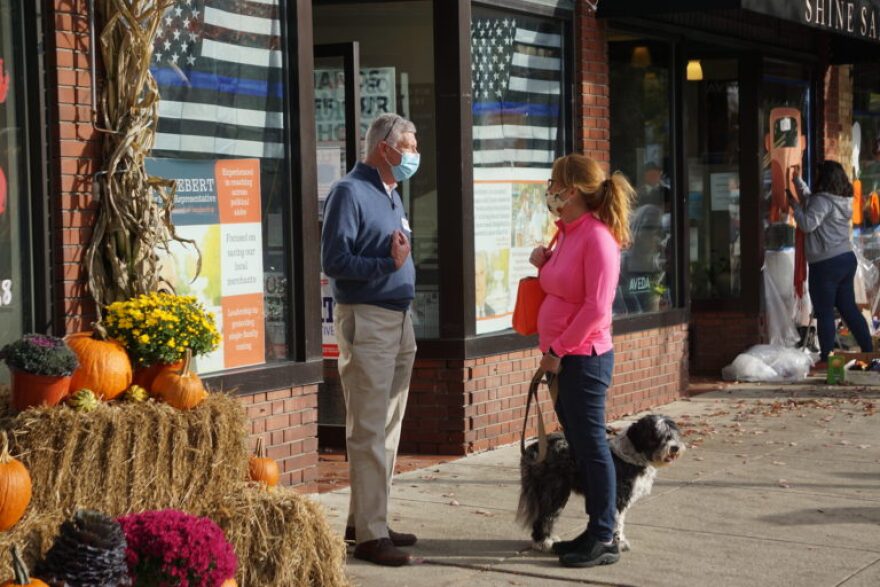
(217, 206)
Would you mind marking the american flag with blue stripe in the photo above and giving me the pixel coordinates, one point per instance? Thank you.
(516, 73)
(219, 67)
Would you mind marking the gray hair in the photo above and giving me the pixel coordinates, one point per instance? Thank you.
(387, 127)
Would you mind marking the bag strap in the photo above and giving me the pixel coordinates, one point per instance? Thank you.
(552, 243)
(534, 386)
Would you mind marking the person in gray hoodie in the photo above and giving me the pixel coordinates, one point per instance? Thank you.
(826, 218)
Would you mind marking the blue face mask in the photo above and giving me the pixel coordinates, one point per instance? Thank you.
(409, 164)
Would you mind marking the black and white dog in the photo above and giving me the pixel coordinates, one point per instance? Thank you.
(652, 441)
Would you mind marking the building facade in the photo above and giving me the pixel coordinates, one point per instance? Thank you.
(682, 100)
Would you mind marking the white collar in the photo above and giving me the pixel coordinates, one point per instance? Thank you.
(389, 187)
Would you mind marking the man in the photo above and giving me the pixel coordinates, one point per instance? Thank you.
(365, 251)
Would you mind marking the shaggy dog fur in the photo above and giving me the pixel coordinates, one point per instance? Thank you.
(652, 441)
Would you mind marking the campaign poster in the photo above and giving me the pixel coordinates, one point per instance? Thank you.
(217, 205)
(510, 219)
(328, 328)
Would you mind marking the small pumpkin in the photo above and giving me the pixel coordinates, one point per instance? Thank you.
(15, 486)
(136, 393)
(104, 366)
(262, 468)
(84, 400)
(20, 574)
(875, 208)
(229, 583)
(181, 389)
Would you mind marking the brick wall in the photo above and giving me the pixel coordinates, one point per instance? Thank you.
(593, 105)
(287, 421)
(74, 153)
(716, 338)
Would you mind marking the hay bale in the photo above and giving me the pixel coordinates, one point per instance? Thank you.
(281, 538)
(131, 457)
(34, 534)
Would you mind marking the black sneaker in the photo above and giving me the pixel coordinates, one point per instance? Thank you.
(591, 553)
(566, 546)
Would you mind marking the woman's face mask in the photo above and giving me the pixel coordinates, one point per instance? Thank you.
(556, 202)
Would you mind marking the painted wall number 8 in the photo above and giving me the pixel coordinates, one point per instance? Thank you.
(5, 292)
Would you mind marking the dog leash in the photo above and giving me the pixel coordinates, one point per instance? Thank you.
(553, 386)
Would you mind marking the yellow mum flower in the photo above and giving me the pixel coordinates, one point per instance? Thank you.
(145, 338)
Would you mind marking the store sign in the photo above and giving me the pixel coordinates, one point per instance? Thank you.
(857, 18)
(217, 205)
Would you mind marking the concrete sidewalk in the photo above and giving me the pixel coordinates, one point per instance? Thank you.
(781, 487)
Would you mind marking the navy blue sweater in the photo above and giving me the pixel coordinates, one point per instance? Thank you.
(359, 221)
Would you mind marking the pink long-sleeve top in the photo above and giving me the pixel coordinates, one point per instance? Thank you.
(580, 280)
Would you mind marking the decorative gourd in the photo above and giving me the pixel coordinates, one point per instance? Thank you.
(180, 389)
(104, 366)
(83, 400)
(20, 574)
(262, 468)
(136, 393)
(15, 486)
(858, 203)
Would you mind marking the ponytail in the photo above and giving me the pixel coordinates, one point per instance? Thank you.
(615, 206)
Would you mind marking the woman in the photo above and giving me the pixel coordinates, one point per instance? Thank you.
(580, 277)
(826, 217)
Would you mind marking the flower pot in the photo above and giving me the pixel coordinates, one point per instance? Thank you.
(34, 390)
(144, 376)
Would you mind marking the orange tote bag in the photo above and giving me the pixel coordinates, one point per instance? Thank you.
(529, 297)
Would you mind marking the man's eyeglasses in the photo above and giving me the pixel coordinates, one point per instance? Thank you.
(391, 128)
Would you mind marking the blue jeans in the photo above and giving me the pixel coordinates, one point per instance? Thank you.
(580, 407)
(831, 286)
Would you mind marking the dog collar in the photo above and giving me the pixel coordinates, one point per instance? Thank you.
(623, 448)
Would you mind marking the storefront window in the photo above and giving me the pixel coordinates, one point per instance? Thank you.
(785, 130)
(12, 265)
(397, 75)
(519, 115)
(641, 149)
(221, 135)
(712, 156)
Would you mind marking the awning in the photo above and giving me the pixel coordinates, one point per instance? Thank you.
(858, 19)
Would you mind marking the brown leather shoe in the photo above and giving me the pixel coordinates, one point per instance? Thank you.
(382, 552)
(397, 538)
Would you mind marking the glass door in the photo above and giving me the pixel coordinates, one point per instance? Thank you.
(338, 141)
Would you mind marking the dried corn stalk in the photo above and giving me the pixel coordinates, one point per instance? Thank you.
(134, 208)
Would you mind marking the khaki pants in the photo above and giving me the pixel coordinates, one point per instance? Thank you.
(377, 348)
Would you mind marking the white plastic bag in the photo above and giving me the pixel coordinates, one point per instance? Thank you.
(770, 363)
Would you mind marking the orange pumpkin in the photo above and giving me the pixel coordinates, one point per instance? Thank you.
(262, 468)
(180, 389)
(20, 574)
(15, 486)
(229, 583)
(858, 203)
(104, 366)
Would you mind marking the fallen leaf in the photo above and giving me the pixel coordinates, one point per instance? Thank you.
(779, 463)
(483, 513)
(783, 483)
(454, 502)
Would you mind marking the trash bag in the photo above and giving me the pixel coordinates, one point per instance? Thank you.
(769, 363)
